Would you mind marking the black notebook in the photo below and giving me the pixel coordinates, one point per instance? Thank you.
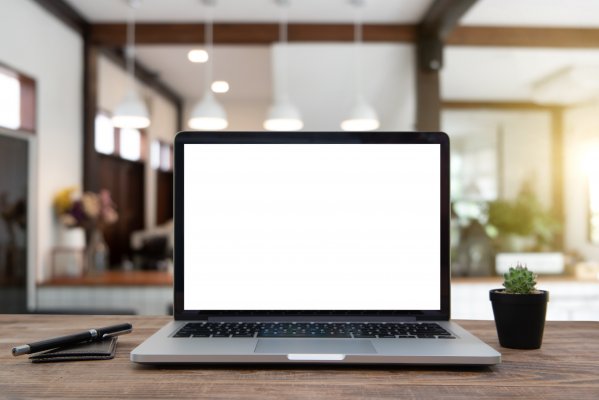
(102, 350)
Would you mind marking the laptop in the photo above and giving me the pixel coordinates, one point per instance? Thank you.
(312, 247)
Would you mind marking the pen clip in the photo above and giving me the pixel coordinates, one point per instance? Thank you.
(111, 334)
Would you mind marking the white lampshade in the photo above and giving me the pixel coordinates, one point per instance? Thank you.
(362, 118)
(208, 114)
(197, 56)
(283, 116)
(131, 113)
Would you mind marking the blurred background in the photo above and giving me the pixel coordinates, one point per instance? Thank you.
(93, 92)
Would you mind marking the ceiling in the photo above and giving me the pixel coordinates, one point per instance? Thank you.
(534, 13)
(247, 69)
(562, 13)
(504, 74)
(375, 11)
(500, 74)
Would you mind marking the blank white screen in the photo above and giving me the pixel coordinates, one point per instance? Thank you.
(312, 227)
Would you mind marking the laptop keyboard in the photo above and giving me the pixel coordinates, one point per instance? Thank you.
(404, 330)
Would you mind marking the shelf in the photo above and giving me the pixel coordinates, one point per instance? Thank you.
(499, 279)
(115, 278)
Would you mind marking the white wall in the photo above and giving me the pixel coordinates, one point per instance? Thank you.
(581, 140)
(37, 44)
(112, 85)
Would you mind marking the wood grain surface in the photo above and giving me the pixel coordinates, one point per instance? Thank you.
(567, 366)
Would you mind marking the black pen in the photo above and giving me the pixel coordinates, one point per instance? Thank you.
(86, 336)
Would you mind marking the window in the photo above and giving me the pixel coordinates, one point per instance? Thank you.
(161, 155)
(127, 144)
(594, 208)
(166, 157)
(17, 100)
(104, 136)
(474, 174)
(155, 154)
(130, 144)
(591, 165)
(10, 101)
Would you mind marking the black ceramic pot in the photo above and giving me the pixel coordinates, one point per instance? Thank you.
(519, 318)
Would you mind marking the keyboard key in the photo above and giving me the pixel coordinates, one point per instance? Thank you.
(406, 330)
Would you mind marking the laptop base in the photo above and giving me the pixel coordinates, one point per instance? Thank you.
(466, 349)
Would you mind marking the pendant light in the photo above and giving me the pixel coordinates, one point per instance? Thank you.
(131, 112)
(208, 114)
(283, 115)
(362, 116)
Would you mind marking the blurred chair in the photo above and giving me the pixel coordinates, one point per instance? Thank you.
(152, 248)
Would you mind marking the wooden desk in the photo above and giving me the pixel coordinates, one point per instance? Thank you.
(567, 366)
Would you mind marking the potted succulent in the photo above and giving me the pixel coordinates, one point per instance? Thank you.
(519, 310)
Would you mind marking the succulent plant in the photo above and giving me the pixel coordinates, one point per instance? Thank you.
(519, 280)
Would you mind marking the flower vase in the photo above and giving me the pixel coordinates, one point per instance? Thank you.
(96, 253)
(71, 237)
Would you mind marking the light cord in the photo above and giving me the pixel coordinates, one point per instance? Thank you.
(284, 41)
(358, 40)
(209, 43)
(130, 49)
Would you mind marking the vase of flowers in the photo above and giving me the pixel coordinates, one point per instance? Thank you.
(92, 212)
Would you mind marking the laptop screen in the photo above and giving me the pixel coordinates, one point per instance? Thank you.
(311, 226)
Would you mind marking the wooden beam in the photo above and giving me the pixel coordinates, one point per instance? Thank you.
(144, 74)
(179, 109)
(114, 35)
(496, 105)
(428, 100)
(439, 21)
(557, 171)
(91, 178)
(441, 18)
(586, 38)
(28, 103)
(500, 144)
(67, 14)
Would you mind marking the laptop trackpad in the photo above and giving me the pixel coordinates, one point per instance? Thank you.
(314, 346)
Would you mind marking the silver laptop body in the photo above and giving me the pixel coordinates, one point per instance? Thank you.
(292, 232)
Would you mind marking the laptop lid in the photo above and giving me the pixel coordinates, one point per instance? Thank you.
(312, 224)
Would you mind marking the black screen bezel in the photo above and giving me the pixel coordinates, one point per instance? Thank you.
(183, 138)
